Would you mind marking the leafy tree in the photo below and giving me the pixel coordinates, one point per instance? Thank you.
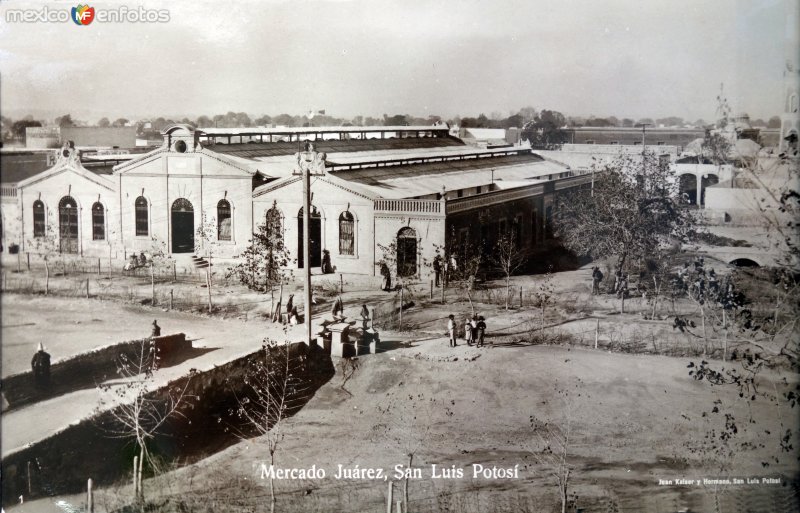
(158, 260)
(263, 263)
(628, 123)
(396, 120)
(120, 122)
(670, 121)
(645, 121)
(283, 120)
(204, 122)
(774, 122)
(18, 127)
(598, 122)
(104, 123)
(64, 121)
(631, 212)
(462, 263)
(545, 131)
(263, 120)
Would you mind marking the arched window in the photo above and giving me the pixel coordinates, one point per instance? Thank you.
(68, 225)
(98, 221)
(407, 252)
(223, 220)
(346, 234)
(39, 225)
(142, 225)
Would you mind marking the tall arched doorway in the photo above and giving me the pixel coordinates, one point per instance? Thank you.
(182, 226)
(687, 185)
(406, 252)
(707, 181)
(314, 233)
(68, 225)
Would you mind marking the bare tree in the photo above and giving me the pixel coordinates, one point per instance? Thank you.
(273, 390)
(47, 246)
(206, 239)
(138, 410)
(553, 443)
(508, 257)
(158, 260)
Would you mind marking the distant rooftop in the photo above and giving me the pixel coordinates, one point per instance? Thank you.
(248, 131)
(256, 150)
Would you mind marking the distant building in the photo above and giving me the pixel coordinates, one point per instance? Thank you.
(411, 188)
(81, 136)
(679, 137)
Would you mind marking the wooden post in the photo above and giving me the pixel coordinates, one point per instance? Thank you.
(596, 332)
(89, 498)
(171, 299)
(19, 258)
(98, 265)
(431, 290)
(136, 476)
(30, 489)
(401, 307)
(389, 498)
(341, 284)
(87, 288)
(174, 271)
(520, 297)
(29, 260)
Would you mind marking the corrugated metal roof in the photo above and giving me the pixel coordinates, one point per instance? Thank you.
(319, 129)
(278, 149)
(425, 179)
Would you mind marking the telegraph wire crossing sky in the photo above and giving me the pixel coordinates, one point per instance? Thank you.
(620, 58)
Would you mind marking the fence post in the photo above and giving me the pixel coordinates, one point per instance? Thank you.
(29, 260)
(442, 292)
(29, 479)
(136, 476)
(596, 332)
(174, 271)
(341, 284)
(520, 297)
(171, 299)
(87, 288)
(98, 266)
(389, 498)
(19, 258)
(431, 290)
(89, 498)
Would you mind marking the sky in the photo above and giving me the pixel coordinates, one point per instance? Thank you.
(629, 58)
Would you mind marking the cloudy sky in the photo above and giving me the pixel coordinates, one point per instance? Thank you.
(628, 58)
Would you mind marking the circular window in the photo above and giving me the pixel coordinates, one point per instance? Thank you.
(65, 152)
(180, 146)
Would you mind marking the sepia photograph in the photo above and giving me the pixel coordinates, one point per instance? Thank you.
(383, 256)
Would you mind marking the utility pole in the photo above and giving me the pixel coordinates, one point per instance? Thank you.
(309, 162)
(644, 177)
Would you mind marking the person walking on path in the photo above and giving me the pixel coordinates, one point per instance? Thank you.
(451, 330)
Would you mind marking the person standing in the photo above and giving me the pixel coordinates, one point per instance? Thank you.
(156, 332)
(481, 329)
(40, 365)
(451, 330)
(437, 268)
(468, 331)
(597, 277)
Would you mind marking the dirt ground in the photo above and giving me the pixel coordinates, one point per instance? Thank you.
(634, 419)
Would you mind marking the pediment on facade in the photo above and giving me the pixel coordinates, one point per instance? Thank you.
(71, 168)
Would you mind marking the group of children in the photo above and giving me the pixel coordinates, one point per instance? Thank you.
(474, 330)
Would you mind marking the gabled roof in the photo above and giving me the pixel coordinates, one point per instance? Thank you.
(70, 165)
(234, 162)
